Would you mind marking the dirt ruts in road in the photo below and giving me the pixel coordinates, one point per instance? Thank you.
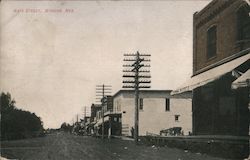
(64, 146)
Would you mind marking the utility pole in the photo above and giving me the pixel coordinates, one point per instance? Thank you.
(133, 70)
(110, 128)
(101, 92)
(76, 118)
(85, 120)
(77, 124)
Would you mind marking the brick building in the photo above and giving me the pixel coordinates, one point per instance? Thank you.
(221, 56)
(220, 31)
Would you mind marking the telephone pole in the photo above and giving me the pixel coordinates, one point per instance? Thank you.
(85, 120)
(76, 118)
(134, 76)
(102, 92)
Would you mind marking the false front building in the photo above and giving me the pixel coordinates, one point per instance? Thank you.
(107, 122)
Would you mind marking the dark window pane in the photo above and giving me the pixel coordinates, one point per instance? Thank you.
(211, 42)
(167, 105)
(176, 117)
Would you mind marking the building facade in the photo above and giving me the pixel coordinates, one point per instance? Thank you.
(95, 108)
(110, 120)
(157, 111)
(220, 32)
(221, 54)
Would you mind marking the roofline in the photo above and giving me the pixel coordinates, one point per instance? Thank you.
(153, 90)
(208, 6)
(205, 8)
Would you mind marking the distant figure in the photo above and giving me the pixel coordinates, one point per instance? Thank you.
(132, 131)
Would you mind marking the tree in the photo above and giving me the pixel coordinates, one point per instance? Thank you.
(66, 127)
(6, 102)
(16, 123)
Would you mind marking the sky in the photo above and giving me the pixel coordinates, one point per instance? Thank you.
(51, 62)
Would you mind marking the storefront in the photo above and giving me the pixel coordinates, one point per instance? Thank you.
(243, 83)
(217, 108)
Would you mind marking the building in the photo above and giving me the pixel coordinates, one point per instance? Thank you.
(221, 46)
(111, 120)
(108, 104)
(94, 109)
(157, 111)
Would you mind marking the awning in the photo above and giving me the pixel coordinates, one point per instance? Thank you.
(242, 81)
(99, 121)
(210, 75)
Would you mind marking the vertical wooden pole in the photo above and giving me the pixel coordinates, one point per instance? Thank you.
(103, 111)
(136, 129)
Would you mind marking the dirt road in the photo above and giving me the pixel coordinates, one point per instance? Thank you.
(62, 146)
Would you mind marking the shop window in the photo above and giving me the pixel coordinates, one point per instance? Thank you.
(243, 22)
(211, 42)
(167, 104)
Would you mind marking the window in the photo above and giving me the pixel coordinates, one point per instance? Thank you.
(176, 118)
(141, 104)
(167, 105)
(211, 42)
(243, 23)
(119, 107)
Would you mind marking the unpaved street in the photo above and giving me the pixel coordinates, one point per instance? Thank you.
(63, 146)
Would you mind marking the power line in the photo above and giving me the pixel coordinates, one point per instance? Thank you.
(136, 77)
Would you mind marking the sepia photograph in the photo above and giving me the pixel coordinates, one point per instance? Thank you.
(125, 79)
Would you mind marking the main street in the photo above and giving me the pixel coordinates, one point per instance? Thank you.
(63, 146)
